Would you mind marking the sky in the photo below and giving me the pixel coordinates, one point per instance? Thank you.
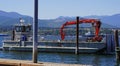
(50, 9)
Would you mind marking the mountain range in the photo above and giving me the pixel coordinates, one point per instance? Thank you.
(11, 18)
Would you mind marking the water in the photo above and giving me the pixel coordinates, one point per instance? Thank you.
(90, 59)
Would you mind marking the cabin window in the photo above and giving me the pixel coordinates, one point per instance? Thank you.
(17, 29)
(20, 28)
(28, 28)
(23, 28)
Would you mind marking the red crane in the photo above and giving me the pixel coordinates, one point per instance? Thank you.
(95, 22)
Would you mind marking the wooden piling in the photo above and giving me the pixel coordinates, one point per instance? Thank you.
(117, 45)
(77, 36)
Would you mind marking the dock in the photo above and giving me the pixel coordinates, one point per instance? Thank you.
(11, 62)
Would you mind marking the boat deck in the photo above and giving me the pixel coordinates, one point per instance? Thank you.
(55, 46)
(52, 49)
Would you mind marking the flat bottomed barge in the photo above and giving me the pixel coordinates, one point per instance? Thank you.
(21, 40)
(55, 46)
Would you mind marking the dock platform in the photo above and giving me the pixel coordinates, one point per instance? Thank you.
(11, 62)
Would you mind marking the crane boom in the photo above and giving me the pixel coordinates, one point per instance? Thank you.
(95, 22)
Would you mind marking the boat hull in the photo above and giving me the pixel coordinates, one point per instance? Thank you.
(55, 46)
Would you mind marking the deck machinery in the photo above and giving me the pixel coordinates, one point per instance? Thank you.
(95, 23)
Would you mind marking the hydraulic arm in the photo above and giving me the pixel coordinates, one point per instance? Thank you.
(96, 23)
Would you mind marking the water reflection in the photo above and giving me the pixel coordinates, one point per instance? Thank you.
(88, 59)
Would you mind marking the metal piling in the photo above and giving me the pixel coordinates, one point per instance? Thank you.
(77, 36)
(117, 45)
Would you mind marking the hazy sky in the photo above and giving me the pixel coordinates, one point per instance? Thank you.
(54, 8)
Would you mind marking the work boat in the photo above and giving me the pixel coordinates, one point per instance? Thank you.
(21, 33)
(21, 40)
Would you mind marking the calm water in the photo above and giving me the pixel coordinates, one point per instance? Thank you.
(91, 59)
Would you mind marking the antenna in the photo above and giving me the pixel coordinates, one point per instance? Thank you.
(22, 21)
